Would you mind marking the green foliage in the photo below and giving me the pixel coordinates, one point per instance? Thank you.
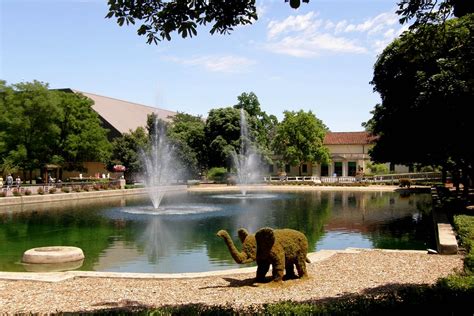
(223, 134)
(187, 134)
(217, 174)
(126, 151)
(40, 126)
(299, 139)
(161, 18)
(465, 228)
(430, 11)
(426, 73)
(262, 126)
(377, 168)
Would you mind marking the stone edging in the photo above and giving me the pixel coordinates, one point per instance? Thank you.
(61, 276)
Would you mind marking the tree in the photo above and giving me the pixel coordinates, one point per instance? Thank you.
(425, 81)
(187, 133)
(222, 135)
(40, 126)
(82, 137)
(262, 125)
(28, 130)
(161, 18)
(299, 139)
(432, 11)
(126, 151)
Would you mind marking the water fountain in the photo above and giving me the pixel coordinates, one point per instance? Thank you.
(161, 165)
(247, 161)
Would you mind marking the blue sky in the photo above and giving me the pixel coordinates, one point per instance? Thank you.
(319, 57)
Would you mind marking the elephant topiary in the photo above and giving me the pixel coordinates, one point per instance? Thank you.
(281, 248)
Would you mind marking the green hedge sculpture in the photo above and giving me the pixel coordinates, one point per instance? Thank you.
(282, 248)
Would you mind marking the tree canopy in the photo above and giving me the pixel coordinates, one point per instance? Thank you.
(299, 138)
(432, 11)
(160, 18)
(222, 134)
(425, 80)
(187, 133)
(40, 126)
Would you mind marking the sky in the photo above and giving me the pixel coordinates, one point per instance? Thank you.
(317, 58)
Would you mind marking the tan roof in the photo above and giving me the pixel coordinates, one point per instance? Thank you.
(123, 115)
(348, 138)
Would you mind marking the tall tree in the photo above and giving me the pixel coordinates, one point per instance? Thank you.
(40, 126)
(299, 139)
(126, 151)
(187, 133)
(27, 125)
(222, 135)
(261, 124)
(425, 81)
(82, 137)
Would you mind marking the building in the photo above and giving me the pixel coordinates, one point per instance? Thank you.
(119, 117)
(349, 154)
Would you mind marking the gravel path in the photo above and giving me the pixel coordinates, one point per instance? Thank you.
(340, 274)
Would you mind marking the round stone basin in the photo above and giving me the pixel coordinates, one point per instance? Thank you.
(54, 254)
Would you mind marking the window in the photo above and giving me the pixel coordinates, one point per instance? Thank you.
(338, 168)
(351, 168)
(324, 170)
(304, 168)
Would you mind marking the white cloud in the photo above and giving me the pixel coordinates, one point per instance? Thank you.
(224, 64)
(309, 36)
(293, 23)
(303, 46)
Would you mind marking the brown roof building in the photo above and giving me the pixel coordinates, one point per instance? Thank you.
(120, 116)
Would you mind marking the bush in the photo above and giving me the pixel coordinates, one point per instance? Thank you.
(96, 187)
(217, 174)
(464, 225)
(40, 191)
(16, 192)
(3, 193)
(27, 192)
(404, 182)
(65, 189)
(76, 188)
(52, 190)
(86, 187)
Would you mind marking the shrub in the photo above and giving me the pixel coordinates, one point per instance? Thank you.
(86, 188)
(404, 182)
(40, 191)
(16, 192)
(52, 190)
(96, 186)
(65, 189)
(76, 188)
(27, 192)
(217, 174)
(3, 193)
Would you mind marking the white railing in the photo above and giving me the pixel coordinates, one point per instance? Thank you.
(387, 178)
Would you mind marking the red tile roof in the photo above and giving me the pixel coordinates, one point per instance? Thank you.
(348, 138)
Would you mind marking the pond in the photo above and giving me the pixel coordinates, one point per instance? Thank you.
(128, 235)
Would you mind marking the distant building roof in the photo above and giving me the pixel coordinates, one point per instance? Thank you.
(122, 115)
(348, 138)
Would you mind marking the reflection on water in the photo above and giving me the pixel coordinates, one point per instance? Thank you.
(118, 234)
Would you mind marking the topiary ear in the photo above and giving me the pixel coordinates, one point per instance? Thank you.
(265, 238)
(243, 233)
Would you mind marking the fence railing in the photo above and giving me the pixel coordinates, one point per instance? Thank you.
(387, 178)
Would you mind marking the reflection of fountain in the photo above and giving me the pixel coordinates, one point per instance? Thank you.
(247, 160)
(161, 167)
